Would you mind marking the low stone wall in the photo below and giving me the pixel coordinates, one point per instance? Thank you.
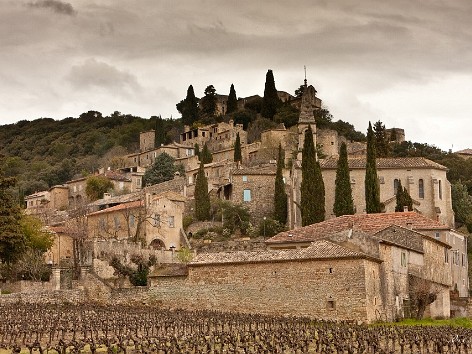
(26, 286)
(46, 297)
(460, 306)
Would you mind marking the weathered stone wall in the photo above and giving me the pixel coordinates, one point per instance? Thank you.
(46, 297)
(333, 289)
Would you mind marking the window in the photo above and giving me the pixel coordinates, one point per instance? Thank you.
(131, 221)
(244, 178)
(463, 260)
(116, 220)
(138, 182)
(395, 185)
(331, 305)
(437, 235)
(247, 195)
(171, 221)
(102, 224)
(421, 189)
(446, 256)
(403, 259)
(439, 190)
(157, 220)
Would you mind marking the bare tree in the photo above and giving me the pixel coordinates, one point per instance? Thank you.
(423, 292)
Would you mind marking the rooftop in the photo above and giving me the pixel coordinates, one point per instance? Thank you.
(464, 152)
(321, 249)
(258, 170)
(124, 206)
(368, 223)
(383, 163)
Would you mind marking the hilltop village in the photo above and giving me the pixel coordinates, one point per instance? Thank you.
(366, 267)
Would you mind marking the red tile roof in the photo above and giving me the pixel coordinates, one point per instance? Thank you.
(129, 205)
(321, 249)
(368, 223)
(359, 162)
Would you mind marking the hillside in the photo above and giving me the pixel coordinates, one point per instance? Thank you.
(45, 152)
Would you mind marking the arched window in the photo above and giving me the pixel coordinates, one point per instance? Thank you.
(421, 188)
(395, 185)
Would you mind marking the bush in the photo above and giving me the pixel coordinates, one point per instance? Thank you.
(270, 227)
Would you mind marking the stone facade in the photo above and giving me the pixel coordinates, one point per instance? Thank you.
(425, 180)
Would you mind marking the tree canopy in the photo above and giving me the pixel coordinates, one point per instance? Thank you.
(163, 169)
(208, 102)
(188, 107)
(237, 149)
(202, 198)
(97, 186)
(232, 104)
(403, 199)
(280, 196)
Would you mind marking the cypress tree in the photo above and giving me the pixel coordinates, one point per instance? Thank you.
(403, 199)
(202, 199)
(280, 197)
(312, 203)
(232, 104)
(372, 188)
(237, 149)
(197, 150)
(271, 100)
(343, 203)
(160, 134)
(381, 143)
(205, 155)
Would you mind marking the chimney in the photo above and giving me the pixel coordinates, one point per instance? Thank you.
(405, 209)
(106, 196)
(409, 225)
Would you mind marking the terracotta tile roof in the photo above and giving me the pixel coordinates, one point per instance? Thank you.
(259, 170)
(321, 249)
(368, 223)
(383, 163)
(464, 152)
(169, 270)
(129, 205)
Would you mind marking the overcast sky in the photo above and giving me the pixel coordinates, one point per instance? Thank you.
(405, 62)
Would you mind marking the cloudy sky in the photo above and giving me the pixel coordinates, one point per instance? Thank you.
(405, 62)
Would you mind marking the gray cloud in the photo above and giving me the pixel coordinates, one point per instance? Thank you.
(97, 74)
(59, 7)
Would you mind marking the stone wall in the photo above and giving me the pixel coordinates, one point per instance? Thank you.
(333, 289)
(46, 297)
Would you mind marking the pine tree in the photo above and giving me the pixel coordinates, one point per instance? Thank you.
(312, 203)
(232, 104)
(381, 144)
(188, 107)
(208, 102)
(271, 100)
(280, 197)
(237, 149)
(343, 203)
(12, 241)
(205, 155)
(202, 198)
(372, 188)
(403, 199)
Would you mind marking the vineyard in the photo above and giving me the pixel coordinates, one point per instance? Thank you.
(108, 329)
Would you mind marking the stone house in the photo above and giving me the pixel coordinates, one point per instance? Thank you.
(56, 198)
(254, 187)
(324, 280)
(465, 153)
(156, 219)
(62, 248)
(424, 179)
(427, 254)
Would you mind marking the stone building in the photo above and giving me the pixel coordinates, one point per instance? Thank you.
(324, 280)
(254, 188)
(155, 219)
(465, 153)
(424, 179)
(439, 242)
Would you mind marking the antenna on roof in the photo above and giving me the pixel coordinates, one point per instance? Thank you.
(304, 67)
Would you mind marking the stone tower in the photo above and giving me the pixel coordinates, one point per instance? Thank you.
(306, 118)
